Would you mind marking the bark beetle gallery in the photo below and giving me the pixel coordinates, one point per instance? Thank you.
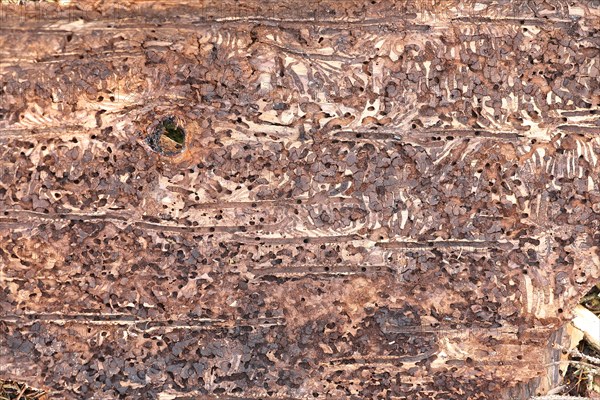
(292, 200)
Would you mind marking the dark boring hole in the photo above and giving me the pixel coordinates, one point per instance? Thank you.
(167, 137)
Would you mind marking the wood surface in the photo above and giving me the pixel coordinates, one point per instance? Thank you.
(376, 199)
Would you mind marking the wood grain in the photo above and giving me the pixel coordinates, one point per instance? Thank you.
(376, 199)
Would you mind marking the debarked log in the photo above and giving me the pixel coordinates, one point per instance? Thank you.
(293, 200)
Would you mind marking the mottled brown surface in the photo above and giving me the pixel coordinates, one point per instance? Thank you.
(376, 199)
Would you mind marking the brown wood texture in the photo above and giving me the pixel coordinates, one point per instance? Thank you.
(376, 199)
